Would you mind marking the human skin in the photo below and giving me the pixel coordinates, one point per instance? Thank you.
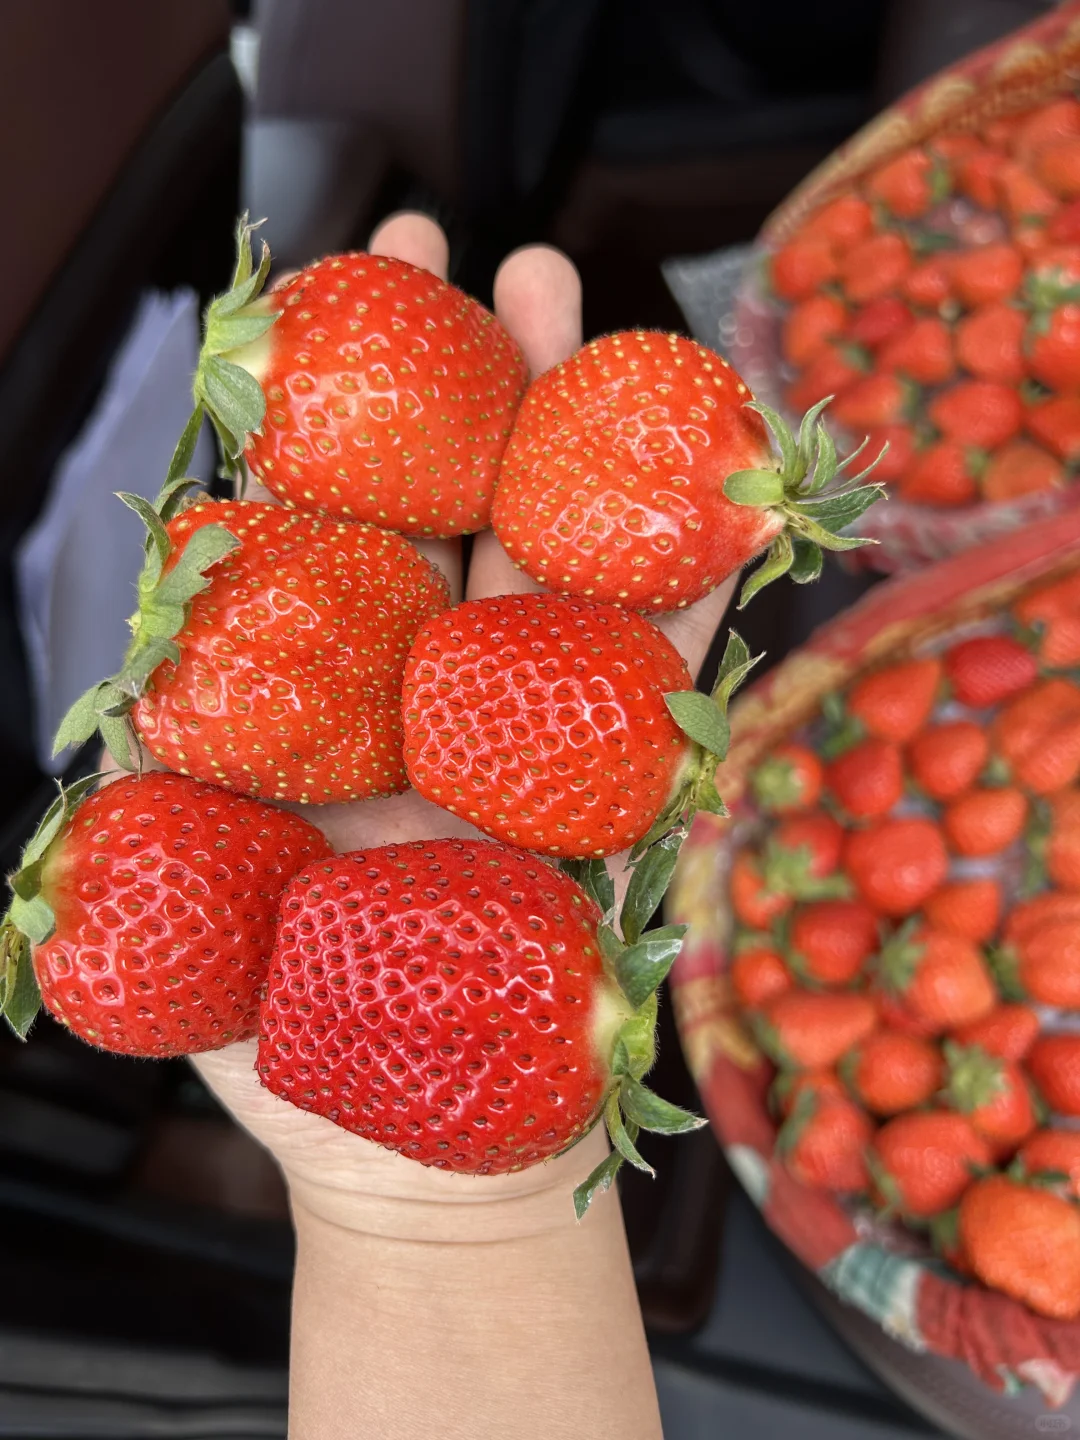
(428, 1304)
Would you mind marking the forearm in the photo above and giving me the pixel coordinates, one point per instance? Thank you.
(534, 1332)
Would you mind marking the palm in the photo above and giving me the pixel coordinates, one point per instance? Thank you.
(538, 299)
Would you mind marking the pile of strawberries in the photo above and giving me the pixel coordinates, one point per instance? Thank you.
(475, 1004)
(908, 945)
(939, 301)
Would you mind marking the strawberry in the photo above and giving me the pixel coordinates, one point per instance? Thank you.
(990, 344)
(985, 821)
(1009, 1031)
(1050, 908)
(1038, 734)
(868, 779)
(874, 266)
(988, 668)
(942, 474)
(928, 284)
(1053, 1062)
(447, 999)
(1064, 227)
(977, 412)
(952, 146)
(1044, 964)
(969, 908)
(992, 1093)
(755, 904)
(1062, 853)
(811, 1031)
(790, 1085)
(543, 722)
(803, 854)
(389, 394)
(1054, 1152)
(909, 185)
(1021, 195)
(1020, 468)
(145, 912)
(758, 975)
(986, 274)
(923, 1162)
(810, 325)
(896, 863)
(891, 1072)
(1054, 761)
(842, 222)
(1055, 423)
(924, 353)
(268, 652)
(588, 501)
(947, 759)
(943, 979)
(835, 367)
(823, 1142)
(894, 702)
(1024, 1241)
(1059, 642)
(1053, 347)
(829, 941)
(1057, 165)
(802, 267)
(876, 399)
(1050, 602)
(880, 321)
(789, 780)
(891, 449)
(1056, 120)
(976, 177)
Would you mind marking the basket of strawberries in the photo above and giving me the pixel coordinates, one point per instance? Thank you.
(927, 276)
(880, 986)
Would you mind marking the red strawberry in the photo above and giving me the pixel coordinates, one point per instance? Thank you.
(989, 669)
(909, 185)
(880, 321)
(895, 702)
(1053, 347)
(891, 1072)
(303, 627)
(1054, 761)
(928, 284)
(868, 779)
(977, 412)
(1053, 1062)
(947, 759)
(1009, 1031)
(976, 177)
(148, 910)
(829, 941)
(801, 267)
(758, 975)
(896, 864)
(923, 1162)
(942, 474)
(876, 399)
(389, 393)
(1021, 196)
(943, 979)
(990, 344)
(1055, 423)
(1025, 1242)
(1064, 227)
(1044, 964)
(985, 821)
(1057, 165)
(969, 908)
(809, 325)
(891, 449)
(790, 1085)
(754, 903)
(993, 1094)
(1020, 468)
(875, 266)
(924, 353)
(823, 1143)
(790, 779)
(588, 502)
(1056, 1152)
(1056, 120)
(812, 1031)
(448, 1000)
(986, 274)
(804, 852)
(1050, 908)
(835, 367)
(1062, 855)
(1050, 602)
(843, 222)
(543, 722)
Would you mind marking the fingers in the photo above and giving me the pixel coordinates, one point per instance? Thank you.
(416, 238)
(538, 299)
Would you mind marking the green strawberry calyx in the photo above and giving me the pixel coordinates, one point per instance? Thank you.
(165, 592)
(30, 919)
(224, 389)
(813, 514)
(776, 784)
(975, 1077)
(900, 958)
(637, 962)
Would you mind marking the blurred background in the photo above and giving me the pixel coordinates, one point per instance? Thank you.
(149, 1251)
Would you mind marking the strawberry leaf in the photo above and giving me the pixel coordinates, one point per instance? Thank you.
(623, 1136)
(778, 560)
(641, 968)
(600, 1180)
(647, 886)
(754, 487)
(698, 716)
(806, 561)
(594, 878)
(234, 397)
(180, 464)
(648, 1110)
